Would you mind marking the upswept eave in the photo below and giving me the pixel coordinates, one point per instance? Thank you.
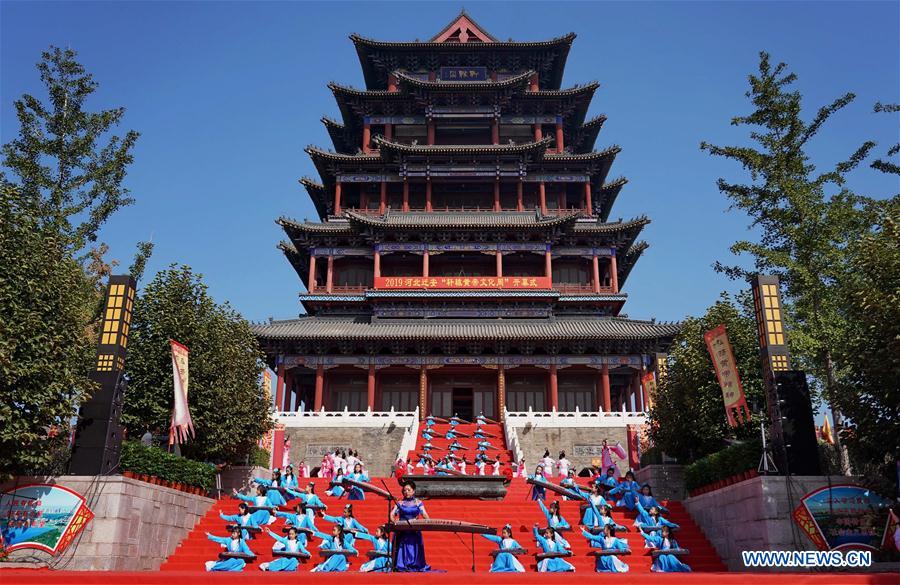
(527, 147)
(526, 220)
(519, 80)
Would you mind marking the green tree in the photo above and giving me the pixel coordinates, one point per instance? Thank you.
(687, 419)
(227, 405)
(47, 306)
(880, 164)
(804, 231)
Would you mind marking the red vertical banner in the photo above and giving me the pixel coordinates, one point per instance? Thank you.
(277, 446)
(649, 382)
(727, 374)
(634, 446)
(181, 425)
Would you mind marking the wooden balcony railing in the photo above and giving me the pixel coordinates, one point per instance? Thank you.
(570, 288)
(469, 208)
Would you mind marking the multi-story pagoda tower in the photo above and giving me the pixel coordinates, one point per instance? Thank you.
(464, 260)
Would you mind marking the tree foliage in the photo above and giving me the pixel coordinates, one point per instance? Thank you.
(687, 420)
(884, 165)
(806, 219)
(227, 405)
(47, 307)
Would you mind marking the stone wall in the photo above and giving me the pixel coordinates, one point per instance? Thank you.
(136, 525)
(239, 477)
(755, 515)
(377, 446)
(533, 440)
(667, 481)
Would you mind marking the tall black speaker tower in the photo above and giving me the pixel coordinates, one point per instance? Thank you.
(798, 429)
(98, 435)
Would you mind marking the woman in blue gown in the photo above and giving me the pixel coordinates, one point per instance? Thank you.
(650, 519)
(358, 474)
(242, 518)
(662, 539)
(262, 499)
(294, 542)
(645, 497)
(595, 501)
(628, 491)
(233, 543)
(299, 518)
(336, 490)
(538, 492)
(550, 543)
(505, 562)
(337, 540)
(408, 546)
(554, 518)
(380, 544)
(607, 541)
(348, 523)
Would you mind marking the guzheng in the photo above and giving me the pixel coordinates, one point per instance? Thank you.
(449, 471)
(437, 419)
(553, 555)
(677, 552)
(268, 509)
(609, 553)
(487, 435)
(331, 552)
(308, 507)
(250, 529)
(290, 554)
(237, 555)
(459, 420)
(434, 525)
(459, 434)
(554, 488)
(367, 487)
(480, 419)
(513, 551)
(299, 529)
(457, 448)
(651, 528)
(561, 528)
(378, 554)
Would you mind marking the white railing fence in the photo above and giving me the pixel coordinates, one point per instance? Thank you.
(512, 438)
(347, 418)
(408, 443)
(577, 418)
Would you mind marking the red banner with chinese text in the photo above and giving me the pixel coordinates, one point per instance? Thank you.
(726, 372)
(463, 282)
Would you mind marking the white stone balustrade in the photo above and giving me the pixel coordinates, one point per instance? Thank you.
(574, 419)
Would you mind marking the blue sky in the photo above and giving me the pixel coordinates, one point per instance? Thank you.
(227, 94)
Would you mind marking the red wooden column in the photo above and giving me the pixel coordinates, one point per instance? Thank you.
(382, 202)
(288, 391)
(520, 197)
(548, 263)
(595, 265)
(554, 388)
(337, 198)
(425, 263)
(533, 82)
(636, 391)
(542, 192)
(538, 133)
(559, 135)
(311, 283)
(388, 131)
(377, 267)
(430, 128)
(561, 202)
(495, 131)
(428, 196)
(496, 195)
(329, 278)
(367, 137)
(370, 388)
(405, 195)
(423, 392)
(392, 82)
(588, 205)
(614, 273)
(604, 388)
(645, 393)
(320, 387)
(501, 392)
(279, 385)
(499, 264)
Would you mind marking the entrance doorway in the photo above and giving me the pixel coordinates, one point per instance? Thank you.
(462, 403)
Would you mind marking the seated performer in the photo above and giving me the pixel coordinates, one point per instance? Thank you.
(569, 483)
(484, 445)
(429, 433)
(408, 545)
(337, 540)
(650, 518)
(547, 463)
(303, 470)
(336, 490)
(430, 421)
(348, 524)
(242, 518)
(608, 541)
(462, 465)
(497, 466)
(309, 499)
(595, 501)
(608, 481)
(452, 433)
(538, 492)
(381, 544)
(481, 419)
(456, 446)
(479, 433)
(663, 540)
(260, 500)
(562, 465)
(480, 463)
(300, 518)
(603, 514)
(645, 497)
(234, 544)
(293, 543)
(505, 562)
(427, 446)
(274, 497)
(550, 543)
(358, 475)
(554, 518)
(627, 491)
(289, 480)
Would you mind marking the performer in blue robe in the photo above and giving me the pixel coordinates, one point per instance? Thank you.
(484, 445)
(451, 433)
(348, 524)
(233, 543)
(481, 419)
(550, 543)
(293, 543)
(300, 519)
(429, 421)
(380, 544)
(289, 480)
(608, 541)
(358, 475)
(337, 540)
(505, 562)
(260, 500)
(538, 492)
(650, 518)
(554, 518)
(607, 481)
(273, 496)
(662, 539)
(627, 491)
(569, 483)
(242, 518)
(455, 446)
(409, 547)
(595, 500)
(645, 497)
(336, 490)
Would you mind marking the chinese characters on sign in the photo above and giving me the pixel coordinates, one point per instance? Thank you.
(727, 374)
(460, 282)
(41, 516)
(464, 74)
(843, 516)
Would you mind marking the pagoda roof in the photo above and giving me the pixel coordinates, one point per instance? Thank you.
(553, 329)
(319, 195)
(606, 195)
(464, 23)
(341, 136)
(631, 257)
(520, 80)
(527, 220)
(586, 135)
(386, 146)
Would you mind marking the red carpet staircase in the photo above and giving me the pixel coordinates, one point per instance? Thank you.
(450, 551)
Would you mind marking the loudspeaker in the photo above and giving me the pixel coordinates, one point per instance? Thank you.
(797, 425)
(98, 435)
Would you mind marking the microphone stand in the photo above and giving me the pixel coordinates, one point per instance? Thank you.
(390, 498)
